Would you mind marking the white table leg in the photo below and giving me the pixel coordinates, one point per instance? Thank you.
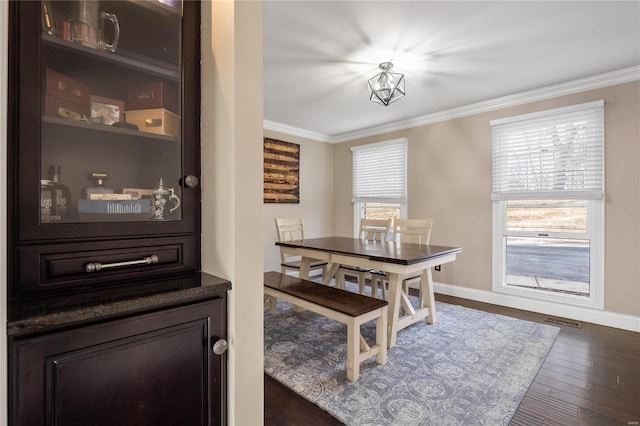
(332, 268)
(395, 289)
(426, 294)
(381, 336)
(305, 266)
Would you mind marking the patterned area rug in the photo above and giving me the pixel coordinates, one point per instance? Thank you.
(470, 368)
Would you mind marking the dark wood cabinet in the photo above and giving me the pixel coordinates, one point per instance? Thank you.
(150, 369)
(110, 319)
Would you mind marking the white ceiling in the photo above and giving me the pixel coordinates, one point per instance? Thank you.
(318, 56)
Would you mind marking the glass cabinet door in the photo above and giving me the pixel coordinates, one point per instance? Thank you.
(111, 115)
(104, 145)
(106, 119)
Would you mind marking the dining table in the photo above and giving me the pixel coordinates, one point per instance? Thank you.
(395, 259)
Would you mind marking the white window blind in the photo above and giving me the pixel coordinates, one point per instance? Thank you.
(554, 153)
(379, 171)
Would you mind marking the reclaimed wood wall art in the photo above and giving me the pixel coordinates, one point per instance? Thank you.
(281, 172)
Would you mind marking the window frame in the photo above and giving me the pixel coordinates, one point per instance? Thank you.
(595, 232)
(359, 208)
(595, 235)
(359, 204)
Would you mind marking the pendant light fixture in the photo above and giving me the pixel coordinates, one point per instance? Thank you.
(386, 87)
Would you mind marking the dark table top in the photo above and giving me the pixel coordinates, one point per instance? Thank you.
(385, 251)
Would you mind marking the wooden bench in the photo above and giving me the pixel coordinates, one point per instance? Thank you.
(349, 308)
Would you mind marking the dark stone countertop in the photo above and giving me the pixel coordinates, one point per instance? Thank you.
(113, 303)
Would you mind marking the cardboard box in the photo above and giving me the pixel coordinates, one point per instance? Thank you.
(153, 96)
(159, 121)
(56, 107)
(62, 87)
(137, 193)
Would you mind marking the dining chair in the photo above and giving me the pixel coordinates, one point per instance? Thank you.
(293, 229)
(370, 230)
(413, 231)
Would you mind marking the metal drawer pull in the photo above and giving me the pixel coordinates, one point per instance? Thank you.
(97, 266)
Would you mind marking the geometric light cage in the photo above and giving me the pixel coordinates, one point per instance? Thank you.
(386, 87)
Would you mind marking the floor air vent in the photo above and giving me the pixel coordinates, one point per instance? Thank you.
(562, 321)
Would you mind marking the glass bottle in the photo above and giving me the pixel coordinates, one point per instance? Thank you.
(93, 192)
(63, 194)
(47, 201)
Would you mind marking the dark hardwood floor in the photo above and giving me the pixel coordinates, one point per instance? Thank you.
(590, 377)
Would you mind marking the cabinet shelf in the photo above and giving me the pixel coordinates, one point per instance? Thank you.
(94, 58)
(157, 7)
(65, 122)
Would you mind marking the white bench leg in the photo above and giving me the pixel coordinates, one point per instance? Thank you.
(355, 342)
(271, 302)
(353, 350)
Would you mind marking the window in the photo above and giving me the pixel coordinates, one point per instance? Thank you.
(379, 179)
(548, 204)
(375, 210)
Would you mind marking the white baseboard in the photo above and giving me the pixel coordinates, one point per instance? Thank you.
(605, 318)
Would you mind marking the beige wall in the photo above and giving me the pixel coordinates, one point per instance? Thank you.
(449, 180)
(316, 196)
(232, 248)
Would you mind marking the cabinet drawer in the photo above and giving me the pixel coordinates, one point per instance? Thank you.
(49, 268)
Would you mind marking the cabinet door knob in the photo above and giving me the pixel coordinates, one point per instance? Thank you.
(220, 347)
(191, 181)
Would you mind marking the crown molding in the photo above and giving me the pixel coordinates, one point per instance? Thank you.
(613, 78)
(296, 131)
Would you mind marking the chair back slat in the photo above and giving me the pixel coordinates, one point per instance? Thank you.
(289, 228)
(375, 229)
(415, 231)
